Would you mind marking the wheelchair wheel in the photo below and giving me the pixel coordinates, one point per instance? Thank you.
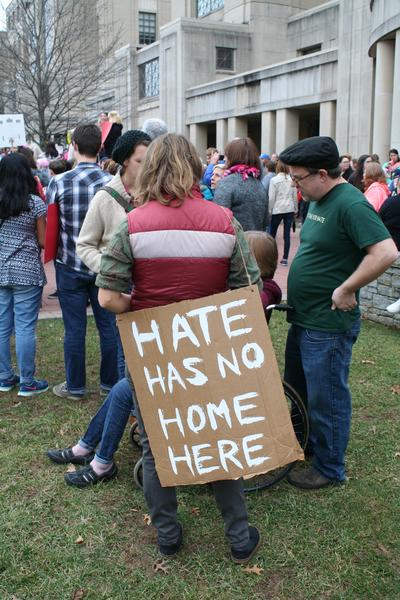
(134, 435)
(138, 473)
(300, 423)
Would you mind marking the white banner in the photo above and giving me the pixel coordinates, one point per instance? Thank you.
(12, 131)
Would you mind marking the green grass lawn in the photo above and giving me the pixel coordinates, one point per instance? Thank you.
(339, 543)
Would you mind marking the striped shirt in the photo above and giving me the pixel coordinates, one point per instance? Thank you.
(73, 192)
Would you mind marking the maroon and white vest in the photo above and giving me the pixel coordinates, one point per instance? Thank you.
(180, 253)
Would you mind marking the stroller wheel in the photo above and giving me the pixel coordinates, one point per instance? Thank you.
(134, 435)
(138, 473)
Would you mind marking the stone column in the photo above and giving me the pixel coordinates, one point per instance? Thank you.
(222, 134)
(268, 132)
(395, 134)
(383, 98)
(198, 137)
(287, 128)
(327, 119)
(237, 127)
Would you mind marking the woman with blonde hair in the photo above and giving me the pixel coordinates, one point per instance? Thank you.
(282, 206)
(376, 188)
(175, 246)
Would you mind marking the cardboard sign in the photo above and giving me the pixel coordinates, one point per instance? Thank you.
(12, 131)
(209, 388)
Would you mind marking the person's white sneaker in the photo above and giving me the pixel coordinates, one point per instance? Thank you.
(394, 308)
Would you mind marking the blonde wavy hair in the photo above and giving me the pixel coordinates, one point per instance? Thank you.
(114, 117)
(169, 171)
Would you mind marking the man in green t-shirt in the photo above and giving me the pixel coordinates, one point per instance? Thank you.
(343, 246)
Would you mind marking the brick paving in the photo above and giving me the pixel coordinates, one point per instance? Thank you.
(51, 307)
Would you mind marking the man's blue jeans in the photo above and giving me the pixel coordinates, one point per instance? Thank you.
(108, 425)
(287, 224)
(317, 365)
(19, 310)
(74, 290)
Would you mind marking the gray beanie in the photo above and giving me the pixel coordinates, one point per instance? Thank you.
(154, 128)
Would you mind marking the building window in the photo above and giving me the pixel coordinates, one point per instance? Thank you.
(309, 50)
(147, 28)
(225, 59)
(149, 79)
(205, 7)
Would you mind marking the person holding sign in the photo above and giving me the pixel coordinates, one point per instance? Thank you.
(343, 246)
(172, 247)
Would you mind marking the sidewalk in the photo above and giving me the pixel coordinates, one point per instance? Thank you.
(51, 307)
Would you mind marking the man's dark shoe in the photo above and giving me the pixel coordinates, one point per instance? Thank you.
(87, 476)
(172, 549)
(310, 479)
(65, 456)
(240, 557)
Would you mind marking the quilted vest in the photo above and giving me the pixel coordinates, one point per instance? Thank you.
(180, 253)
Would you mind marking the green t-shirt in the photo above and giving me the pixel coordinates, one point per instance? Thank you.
(337, 229)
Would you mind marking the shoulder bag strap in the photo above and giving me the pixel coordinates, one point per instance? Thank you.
(120, 199)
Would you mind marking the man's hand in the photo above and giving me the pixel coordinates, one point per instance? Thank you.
(378, 258)
(343, 299)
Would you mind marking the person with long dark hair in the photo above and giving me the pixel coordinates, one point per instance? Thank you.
(51, 151)
(22, 232)
(357, 177)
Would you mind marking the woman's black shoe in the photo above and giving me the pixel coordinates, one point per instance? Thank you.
(65, 456)
(87, 476)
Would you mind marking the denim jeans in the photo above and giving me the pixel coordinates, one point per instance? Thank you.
(108, 425)
(19, 310)
(287, 224)
(120, 357)
(317, 365)
(74, 290)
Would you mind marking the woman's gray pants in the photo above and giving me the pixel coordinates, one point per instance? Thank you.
(163, 505)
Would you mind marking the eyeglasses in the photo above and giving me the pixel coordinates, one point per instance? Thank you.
(298, 178)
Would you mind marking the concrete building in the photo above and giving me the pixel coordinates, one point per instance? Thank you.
(276, 71)
(137, 24)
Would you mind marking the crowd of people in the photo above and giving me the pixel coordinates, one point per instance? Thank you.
(135, 210)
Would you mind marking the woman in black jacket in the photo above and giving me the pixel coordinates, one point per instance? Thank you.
(114, 133)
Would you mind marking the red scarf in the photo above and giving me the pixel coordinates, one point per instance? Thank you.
(244, 170)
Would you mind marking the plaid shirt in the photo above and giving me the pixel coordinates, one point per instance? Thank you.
(73, 191)
(117, 262)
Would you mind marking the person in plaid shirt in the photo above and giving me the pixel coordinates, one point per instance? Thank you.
(72, 192)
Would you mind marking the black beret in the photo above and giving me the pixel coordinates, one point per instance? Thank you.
(126, 144)
(317, 152)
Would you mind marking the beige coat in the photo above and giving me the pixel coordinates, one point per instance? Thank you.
(101, 222)
(282, 195)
